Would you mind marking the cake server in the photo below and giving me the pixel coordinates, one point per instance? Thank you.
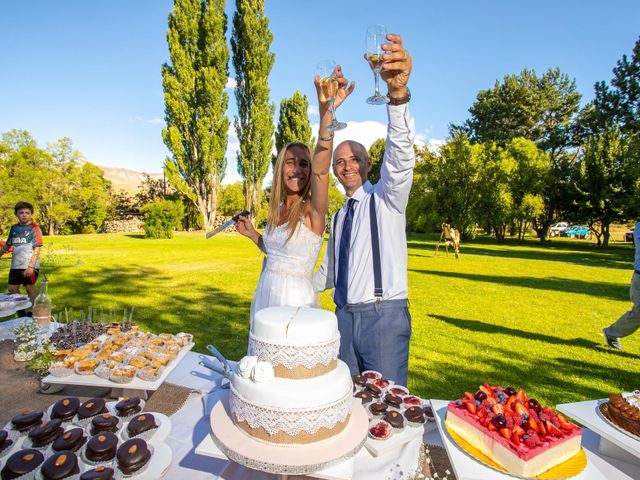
(218, 370)
(214, 351)
(227, 224)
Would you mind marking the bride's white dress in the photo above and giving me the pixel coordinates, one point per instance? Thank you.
(287, 269)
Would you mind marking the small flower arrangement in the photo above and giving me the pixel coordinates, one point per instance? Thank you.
(26, 343)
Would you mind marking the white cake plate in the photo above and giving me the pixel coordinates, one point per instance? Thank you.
(299, 460)
(613, 441)
(468, 468)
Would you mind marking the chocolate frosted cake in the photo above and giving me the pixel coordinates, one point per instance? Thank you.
(140, 424)
(104, 423)
(624, 410)
(70, 440)
(91, 408)
(65, 409)
(128, 406)
(46, 433)
(101, 447)
(21, 463)
(26, 420)
(133, 455)
(60, 465)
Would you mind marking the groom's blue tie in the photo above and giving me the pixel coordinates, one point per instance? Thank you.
(342, 280)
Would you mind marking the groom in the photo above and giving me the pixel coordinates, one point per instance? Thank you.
(366, 257)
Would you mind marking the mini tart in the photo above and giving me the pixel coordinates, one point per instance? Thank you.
(394, 419)
(140, 424)
(138, 361)
(117, 357)
(381, 383)
(46, 433)
(87, 366)
(398, 390)
(128, 406)
(99, 473)
(372, 374)
(378, 408)
(65, 409)
(60, 465)
(364, 396)
(70, 440)
(133, 455)
(21, 463)
(26, 420)
(124, 372)
(101, 448)
(380, 430)
(91, 408)
(412, 401)
(104, 423)
(414, 415)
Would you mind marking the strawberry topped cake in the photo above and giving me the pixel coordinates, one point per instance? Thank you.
(513, 430)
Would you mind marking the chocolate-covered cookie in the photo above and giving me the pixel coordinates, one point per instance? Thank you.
(70, 440)
(128, 406)
(364, 396)
(414, 415)
(140, 424)
(101, 447)
(60, 465)
(104, 423)
(133, 455)
(373, 390)
(393, 400)
(26, 420)
(359, 380)
(21, 463)
(65, 409)
(46, 433)
(378, 408)
(394, 419)
(5, 441)
(99, 473)
(91, 408)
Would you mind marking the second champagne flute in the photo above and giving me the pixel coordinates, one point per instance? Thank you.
(376, 37)
(326, 70)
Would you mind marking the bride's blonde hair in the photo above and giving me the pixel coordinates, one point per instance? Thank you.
(278, 192)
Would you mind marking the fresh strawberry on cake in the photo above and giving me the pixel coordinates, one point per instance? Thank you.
(513, 430)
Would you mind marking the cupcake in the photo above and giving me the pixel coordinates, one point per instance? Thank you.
(91, 408)
(104, 423)
(46, 433)
(101, 448)
(65, 409)
(60, 465)
(70, 440)
(22, 463)
(99, 473)
(26, 420)
(133, 455)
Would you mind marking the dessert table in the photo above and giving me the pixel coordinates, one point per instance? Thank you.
(599, 466)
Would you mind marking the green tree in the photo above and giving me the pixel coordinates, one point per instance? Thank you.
(376, 154)
(196, 102)
(92, 198)
(293, 122)
(231, 200)
(422, 211)
(162, 217)
(252, 62)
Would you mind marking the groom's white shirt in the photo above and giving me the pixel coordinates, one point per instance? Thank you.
(391, 197)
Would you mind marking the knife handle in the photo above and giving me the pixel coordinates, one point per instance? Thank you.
(243, 213)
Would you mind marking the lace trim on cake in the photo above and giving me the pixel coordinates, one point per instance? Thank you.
(291, 356)
(290, 421)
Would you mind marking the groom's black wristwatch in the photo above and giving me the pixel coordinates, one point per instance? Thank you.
(400, 101)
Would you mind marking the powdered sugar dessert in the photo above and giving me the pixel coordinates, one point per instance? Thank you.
(513, 430)
(292, 389)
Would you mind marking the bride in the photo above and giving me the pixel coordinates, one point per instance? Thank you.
(297, 215)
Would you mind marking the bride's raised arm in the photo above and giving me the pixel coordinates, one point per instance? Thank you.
(321, 161)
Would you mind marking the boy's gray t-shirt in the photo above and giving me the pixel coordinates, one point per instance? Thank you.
(23, 239)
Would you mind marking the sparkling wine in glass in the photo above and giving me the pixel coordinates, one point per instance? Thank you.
(376, 37)
(326, 70)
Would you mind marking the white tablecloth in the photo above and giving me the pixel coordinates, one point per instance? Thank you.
(191, 425)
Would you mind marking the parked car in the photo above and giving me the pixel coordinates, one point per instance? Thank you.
(577, 231)
(557, 229)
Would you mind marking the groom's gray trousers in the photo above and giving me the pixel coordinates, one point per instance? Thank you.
(375, 336)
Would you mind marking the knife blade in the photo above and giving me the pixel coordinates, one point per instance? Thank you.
(227, 224)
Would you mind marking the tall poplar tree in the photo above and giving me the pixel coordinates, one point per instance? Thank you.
(252, 62)
(293, 122)
(195, 102)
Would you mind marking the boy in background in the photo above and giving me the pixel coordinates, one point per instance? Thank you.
(26, 239)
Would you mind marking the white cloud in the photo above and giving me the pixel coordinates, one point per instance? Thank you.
(435, 144)
(365, 132)
(313, 110)
(150, 121)
(231, 83)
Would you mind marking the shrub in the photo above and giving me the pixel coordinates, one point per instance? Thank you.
(161, 217)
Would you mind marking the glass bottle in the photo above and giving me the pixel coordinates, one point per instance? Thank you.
(42, 304)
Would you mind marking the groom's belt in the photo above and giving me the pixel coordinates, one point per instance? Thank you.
(377, 305)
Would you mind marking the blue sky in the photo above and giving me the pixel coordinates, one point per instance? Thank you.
(90, 70)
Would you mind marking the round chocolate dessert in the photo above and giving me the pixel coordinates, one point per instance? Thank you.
(46, 433)
(133, 455)
(359, 380)
(378, 408)
(394, 419)
(26, 420)
(624, 413)
(60, 465)
(101, 447)
(91, 408)
(5, 441)
(99, 473)
(364, 396)
(65, 409)
(140, 424)
(393, 400)
(128, 406)
(414, 415)
(70, 440)
(21, 463)
(104, 423)
(373, 390)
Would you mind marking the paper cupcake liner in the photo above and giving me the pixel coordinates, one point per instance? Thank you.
(103, 371)
(137, 472)
(60, 371)
(377, 374)
(86, 372)
(375, 422)
(150, 378)
(13, 436)
(402, 387)
(121, 379)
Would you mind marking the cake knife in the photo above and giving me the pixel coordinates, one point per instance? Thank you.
(214, 351)
(227, 224)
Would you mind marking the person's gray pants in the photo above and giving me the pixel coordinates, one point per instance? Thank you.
(375, 336)
(629, 321)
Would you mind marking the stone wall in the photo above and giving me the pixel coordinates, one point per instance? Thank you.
(124, 226)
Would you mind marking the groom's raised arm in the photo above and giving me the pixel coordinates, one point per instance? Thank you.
(323, 277)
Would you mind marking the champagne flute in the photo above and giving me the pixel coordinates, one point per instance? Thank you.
(326, 70)
(374, 39)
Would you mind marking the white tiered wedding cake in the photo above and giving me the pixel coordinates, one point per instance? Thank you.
(291, 389)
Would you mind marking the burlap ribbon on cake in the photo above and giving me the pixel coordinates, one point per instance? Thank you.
(301, 438)
(301, 371)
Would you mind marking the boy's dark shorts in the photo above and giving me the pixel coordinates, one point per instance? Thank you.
(16, 277)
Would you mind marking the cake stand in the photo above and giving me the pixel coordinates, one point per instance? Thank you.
(238, 446)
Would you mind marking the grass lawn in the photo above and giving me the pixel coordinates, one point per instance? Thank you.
(520, 314)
